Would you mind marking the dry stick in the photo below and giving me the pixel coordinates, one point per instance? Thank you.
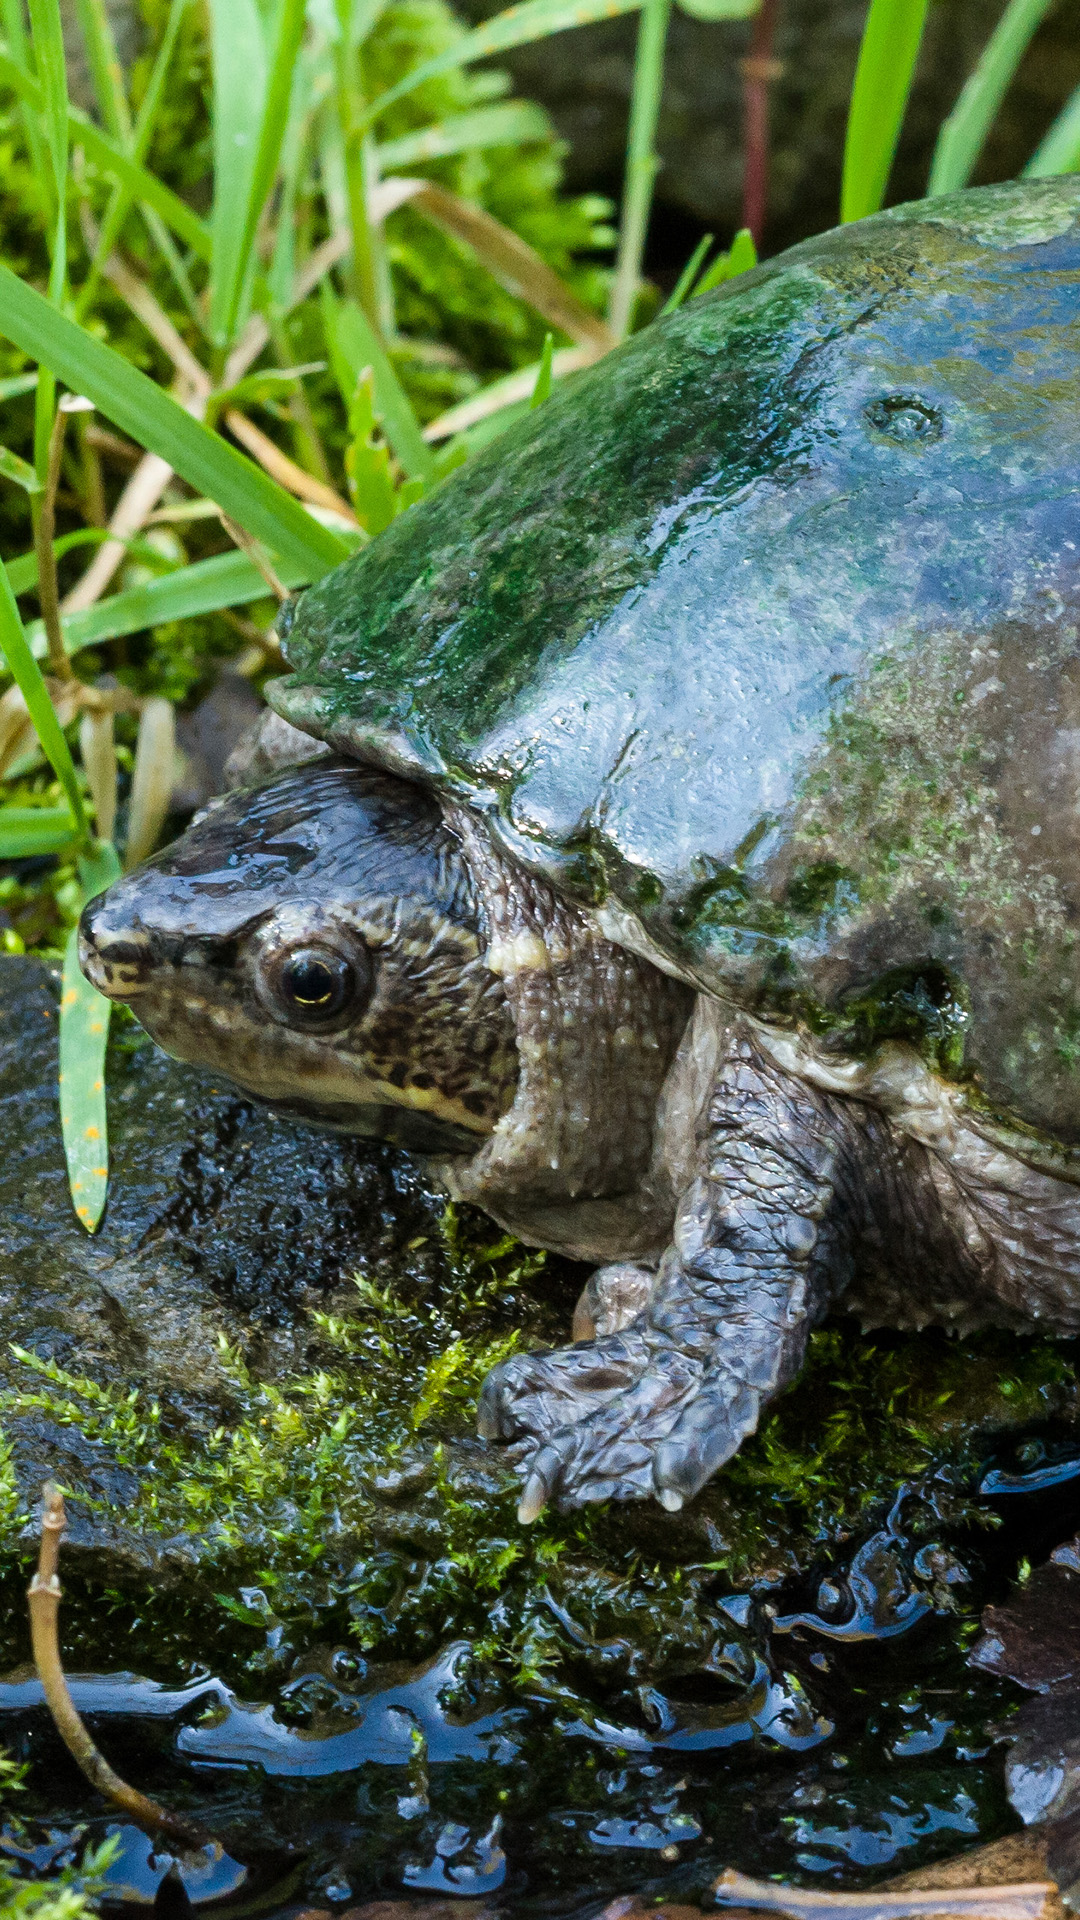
(1023, 1901)
(44, 1597)
(758, 72)
(285, 471)
(256, 555)
(503, 393)
(44, 532)
(152, 475)
(139, 498)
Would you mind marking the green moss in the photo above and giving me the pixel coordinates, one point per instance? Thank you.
(354, 1500)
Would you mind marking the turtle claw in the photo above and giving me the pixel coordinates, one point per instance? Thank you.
(542, 1474)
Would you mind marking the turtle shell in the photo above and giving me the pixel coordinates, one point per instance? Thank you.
(760, 637)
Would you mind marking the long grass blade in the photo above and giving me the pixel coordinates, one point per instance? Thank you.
(47, 35)
(27, 675)
(18, 471)
(890, 47)
(140, 408)
(84, 1035)
(642, 164)
(681, 290)
(542, 389)
(239, 60)
(511, 123)
(1060, 151)
(13, 15)
(963, 134)
(206, 586)
(29, 831)
(105, 69)
(274, 121)
(145, 124)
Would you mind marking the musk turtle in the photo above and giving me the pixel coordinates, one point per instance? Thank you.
(693, 864)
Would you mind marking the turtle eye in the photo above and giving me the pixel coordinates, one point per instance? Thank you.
(317, 986)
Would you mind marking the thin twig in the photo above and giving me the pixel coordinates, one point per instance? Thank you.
(137, 296)
(505, 393)
(759, 71)
(282, 469)
(44, 1598)
(1023, 1901)
(44, 532)
(240, 536)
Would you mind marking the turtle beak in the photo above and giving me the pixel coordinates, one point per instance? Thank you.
(115, 958)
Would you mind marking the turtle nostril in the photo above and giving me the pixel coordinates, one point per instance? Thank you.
(116, 966)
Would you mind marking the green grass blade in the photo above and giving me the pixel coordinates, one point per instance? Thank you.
(239, 59)
(543, 378)
(741, 257)
(157, 421)
(963, 134)
(642, 164)
(105, 69)
(890, 48)
(689, 274)
(275, 121)
(510, 124)
(206, 586)
(14, 23)
(27, 675)
(28, 831)
(16, 384)
(22, 572)
(354, 346)
(1060, 151)
(123, 199)
(47, 36)
(84, 1036)
(105, 154)
(516, 27)
(19, 471)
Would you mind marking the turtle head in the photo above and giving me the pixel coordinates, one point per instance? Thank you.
(318, 941)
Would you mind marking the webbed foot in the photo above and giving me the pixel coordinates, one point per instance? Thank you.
(617, 1419)
(537, 1394)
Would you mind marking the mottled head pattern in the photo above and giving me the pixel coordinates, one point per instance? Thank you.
(318, 941)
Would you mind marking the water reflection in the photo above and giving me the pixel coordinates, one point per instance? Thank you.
(819, 1726)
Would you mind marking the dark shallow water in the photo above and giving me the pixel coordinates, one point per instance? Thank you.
(835, 1738)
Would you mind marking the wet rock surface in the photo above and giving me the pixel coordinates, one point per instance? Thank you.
(224, 1227)
(298, 1604)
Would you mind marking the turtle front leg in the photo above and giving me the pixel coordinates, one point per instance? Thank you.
(764, 1243)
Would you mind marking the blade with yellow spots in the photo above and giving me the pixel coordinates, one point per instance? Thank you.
(84, 1034)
